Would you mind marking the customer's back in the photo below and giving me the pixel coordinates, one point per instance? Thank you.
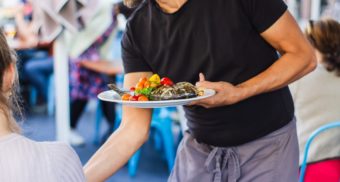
(317, 102)
(21, 159)
(24, 160)
(317, 95)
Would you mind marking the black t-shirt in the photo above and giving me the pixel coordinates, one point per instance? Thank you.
(220, 38)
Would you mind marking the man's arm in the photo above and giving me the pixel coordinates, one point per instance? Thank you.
(297, 60)
(124, 142)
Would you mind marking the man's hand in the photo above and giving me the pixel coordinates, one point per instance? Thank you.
(226, 93)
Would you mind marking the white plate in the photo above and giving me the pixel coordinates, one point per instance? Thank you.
(111, 96)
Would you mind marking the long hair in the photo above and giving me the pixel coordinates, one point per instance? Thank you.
(9, 106)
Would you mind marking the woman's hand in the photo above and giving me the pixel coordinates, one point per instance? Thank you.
(226, 93)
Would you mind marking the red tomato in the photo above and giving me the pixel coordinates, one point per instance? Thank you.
(133, 98)
(143, 98)
(132, 89)
(166, 81)
(126, 97)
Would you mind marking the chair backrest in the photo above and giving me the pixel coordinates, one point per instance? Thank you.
(308, 143)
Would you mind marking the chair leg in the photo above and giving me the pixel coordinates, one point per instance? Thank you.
(50, 96)
(157, 138)
(98, 121)
(164, 127)
(33, 96)
(133, 163)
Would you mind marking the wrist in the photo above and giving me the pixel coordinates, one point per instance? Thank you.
(243, 92)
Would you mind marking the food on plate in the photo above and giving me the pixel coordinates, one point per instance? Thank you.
(156, 88)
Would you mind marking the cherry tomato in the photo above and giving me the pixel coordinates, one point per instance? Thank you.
(143, 98)
(142, 80)
(133, 98)
(132, 89)
(166, 81)
(126, 97)
(139, 86)
(147, 84)
(155, 78)
(153, 85)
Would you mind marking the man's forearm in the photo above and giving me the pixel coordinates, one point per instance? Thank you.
(287, 69)
(113, 154)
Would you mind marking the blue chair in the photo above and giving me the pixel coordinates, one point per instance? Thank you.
(99, 113)
(309, 141)
(161, 124)
(50, 95)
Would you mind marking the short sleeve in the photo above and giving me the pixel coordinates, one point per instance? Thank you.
(263, 13)
(133, 60)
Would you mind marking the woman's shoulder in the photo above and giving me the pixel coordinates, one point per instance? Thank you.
(60, 152)
(65, 161)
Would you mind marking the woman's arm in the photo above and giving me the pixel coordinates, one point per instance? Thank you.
(297, 60)
(105, 67)
(124, 142)
(28, 38)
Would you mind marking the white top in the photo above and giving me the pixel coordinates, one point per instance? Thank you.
(24, 160)
(317, 102)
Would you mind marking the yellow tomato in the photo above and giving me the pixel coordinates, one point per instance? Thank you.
(155, 78)
(153, 85)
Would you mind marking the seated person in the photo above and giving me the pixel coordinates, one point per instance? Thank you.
(22, 159)
(317, 101)
(93, 67)
(36, 63)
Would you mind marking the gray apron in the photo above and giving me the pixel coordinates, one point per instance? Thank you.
(274, 157)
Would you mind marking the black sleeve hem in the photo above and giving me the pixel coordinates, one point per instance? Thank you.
(136, 68)
(272, 20)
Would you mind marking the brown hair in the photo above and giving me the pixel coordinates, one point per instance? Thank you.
(325, 37)
(8, 106)
(132, 3)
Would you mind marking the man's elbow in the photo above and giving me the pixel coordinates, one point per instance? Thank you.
(140, 133)
(311, 62)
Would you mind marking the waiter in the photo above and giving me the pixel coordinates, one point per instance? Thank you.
(246, 132)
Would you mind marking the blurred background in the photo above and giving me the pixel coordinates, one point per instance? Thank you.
(62, 71)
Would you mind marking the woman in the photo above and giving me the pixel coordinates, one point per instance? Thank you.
(317, 100)
(22, 159)
(92, 65)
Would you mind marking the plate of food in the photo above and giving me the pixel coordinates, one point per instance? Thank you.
(155, 92)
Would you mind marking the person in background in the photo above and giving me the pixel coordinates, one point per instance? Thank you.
(36, 61)
(22, 159)
(92, 70)
(247, 130)
(317, 101)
